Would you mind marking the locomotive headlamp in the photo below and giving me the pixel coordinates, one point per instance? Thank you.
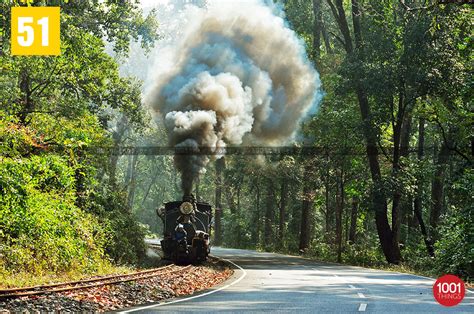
(186, 208)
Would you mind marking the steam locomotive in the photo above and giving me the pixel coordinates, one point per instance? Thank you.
(186, 231)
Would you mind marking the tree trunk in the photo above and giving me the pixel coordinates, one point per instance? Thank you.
(437, 191)
(230, 200)
(356, 23)
(238, 225)
(113, 169)
(152, 182)
(401, 137)
(406, 208)
(133, 182)
(417, 204)
(256, 235)
(317, 30)
(327, 44)
(305, 226)
(328, 209)
(220, 165)
(340, 16)
(25, 88)
(117, 136)
(379, 201)
(346, 228)
(353, 228)
(128, 174)
(282, 220)
(339, 211)
(269, 203)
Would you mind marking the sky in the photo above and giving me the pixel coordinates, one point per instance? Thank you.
(147, 3)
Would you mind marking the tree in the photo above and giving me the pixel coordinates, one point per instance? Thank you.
(307, 204)
(220, 166)
(71, 103)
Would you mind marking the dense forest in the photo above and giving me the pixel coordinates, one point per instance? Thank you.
(392, 181)
(381, 173)
(61, 208)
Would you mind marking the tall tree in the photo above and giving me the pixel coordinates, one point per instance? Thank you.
(269, 214)
(418, 202)
(379, 201)
(220, 166)
(317, 29)
(307, 204)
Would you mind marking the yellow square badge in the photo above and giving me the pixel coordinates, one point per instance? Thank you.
(35, 31)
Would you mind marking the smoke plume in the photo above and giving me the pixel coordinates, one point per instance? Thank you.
(239, 76)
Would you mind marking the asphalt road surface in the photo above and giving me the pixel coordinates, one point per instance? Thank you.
(270, 282)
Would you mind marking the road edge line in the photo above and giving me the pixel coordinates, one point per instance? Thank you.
(244, 273)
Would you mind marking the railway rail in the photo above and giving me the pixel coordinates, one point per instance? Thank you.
(154, 246)
(89, 283)
(96, 282)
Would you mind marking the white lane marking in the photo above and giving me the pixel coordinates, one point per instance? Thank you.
(244, 273)
(352, 287)
(361, 295)
(362, 307)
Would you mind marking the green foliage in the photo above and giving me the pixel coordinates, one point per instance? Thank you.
(126, 246)
(84, 79)
(414, 66)
(63, 203)
(117, 22)
(321, 251)
(41, 228)
(59, 209)
(455, 249)
(16, 140)
(125, 236)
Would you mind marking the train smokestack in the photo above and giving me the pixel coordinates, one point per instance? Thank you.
(189, 198)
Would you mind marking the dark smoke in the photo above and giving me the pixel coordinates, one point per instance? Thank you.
(239, 76)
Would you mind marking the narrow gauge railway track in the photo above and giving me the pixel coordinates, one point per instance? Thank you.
(90, 283)
(154, 246)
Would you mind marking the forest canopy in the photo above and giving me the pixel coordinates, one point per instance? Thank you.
(60, 208)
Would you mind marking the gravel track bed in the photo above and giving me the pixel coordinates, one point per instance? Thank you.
(123, 295)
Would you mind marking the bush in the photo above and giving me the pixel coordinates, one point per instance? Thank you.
(321, 251)
(455, 249)
(41, 228)
(55, 216)
(125, 237)
(126, 245)
(363, 254)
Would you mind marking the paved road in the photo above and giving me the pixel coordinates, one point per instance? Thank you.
(278, 283)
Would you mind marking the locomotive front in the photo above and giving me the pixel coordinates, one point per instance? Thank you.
(187, 226)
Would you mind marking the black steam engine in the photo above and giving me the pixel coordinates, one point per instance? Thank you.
(187, 226)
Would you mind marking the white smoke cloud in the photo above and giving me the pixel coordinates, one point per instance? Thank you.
(238, 76)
